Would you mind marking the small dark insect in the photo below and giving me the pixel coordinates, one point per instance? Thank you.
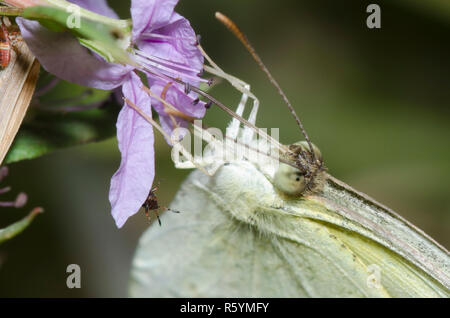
(151, 204)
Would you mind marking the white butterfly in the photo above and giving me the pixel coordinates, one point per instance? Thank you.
(254, 228)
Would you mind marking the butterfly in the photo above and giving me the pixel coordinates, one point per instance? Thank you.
(280, 226)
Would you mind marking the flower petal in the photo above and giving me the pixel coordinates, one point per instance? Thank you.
(174, 94)
(181, 50)
(62, 55)
(97, 6)
(148, 15)
(133, 180)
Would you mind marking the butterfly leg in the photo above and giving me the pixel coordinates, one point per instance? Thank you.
(244, 88)
(233, 128)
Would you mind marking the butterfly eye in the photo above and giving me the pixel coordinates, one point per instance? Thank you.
(298, 176)
(289, 180)
(293, 181)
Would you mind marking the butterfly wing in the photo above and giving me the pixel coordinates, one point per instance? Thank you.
(204, 252)
(237, 237)
(411, 261)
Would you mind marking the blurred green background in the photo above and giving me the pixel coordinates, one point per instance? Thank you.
(376, 102)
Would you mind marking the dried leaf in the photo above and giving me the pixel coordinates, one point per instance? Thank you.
(17, 84)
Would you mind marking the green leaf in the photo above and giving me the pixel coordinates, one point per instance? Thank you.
(50, 132)
(16, 228)
(57, 120)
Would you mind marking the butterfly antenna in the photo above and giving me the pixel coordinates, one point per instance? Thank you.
(243, 38)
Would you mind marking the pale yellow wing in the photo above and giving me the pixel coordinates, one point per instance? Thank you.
(238, 237)
(206, 252)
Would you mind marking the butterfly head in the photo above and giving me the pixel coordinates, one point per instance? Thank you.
(303, 174)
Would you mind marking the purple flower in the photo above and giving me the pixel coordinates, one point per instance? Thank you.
(163, 44)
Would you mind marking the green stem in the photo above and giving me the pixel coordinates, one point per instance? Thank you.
(122, 24)
(16, 228)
